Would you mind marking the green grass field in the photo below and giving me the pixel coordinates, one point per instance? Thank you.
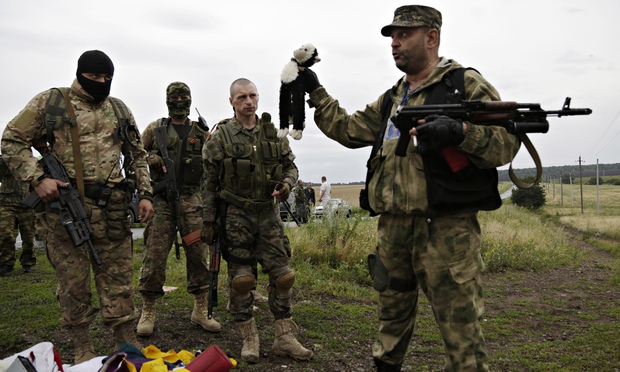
(551, 294)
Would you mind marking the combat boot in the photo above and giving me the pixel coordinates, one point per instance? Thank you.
(82, 343)
(251, 345)
(124, 333)
(147, 319)
(200, 314)
(285, 343)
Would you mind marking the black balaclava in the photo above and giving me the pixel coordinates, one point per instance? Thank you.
(95, 62)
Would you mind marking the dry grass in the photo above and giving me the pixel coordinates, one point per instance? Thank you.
(598, 218)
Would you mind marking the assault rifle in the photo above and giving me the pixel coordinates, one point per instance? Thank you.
(170, 184)
(72, 214)
(517, 118)
(214, 271)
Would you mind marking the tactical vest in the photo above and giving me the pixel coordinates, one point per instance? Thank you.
(468, 189)
(187, 156)
(249, 172)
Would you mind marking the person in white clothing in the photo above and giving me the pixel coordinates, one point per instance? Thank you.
(325, 195)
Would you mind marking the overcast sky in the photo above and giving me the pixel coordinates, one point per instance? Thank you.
(531, 51)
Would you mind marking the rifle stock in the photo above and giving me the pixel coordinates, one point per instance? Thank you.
(170, 184)
(517, 118)
(72, 214)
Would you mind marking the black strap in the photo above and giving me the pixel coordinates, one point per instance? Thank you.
(386, 108)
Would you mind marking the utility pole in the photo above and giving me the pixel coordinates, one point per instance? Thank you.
(561, 190)
(598, 211)
(581, 184)
(572, 198)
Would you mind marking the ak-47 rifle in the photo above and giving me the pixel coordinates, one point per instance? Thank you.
(72, 214)
(517, 118)
(170, 183)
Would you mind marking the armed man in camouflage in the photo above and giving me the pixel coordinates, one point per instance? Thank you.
(246, 166)
(103, 138)
(15, 214)
(301, 204)
(428, 232)
(184, 143)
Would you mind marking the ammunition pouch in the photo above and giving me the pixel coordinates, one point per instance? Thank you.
(100, 194)
(116, 215)
(382, 281)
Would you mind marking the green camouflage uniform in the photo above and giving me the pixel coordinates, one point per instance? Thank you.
(14, 214)
(101, 147)
(253, 229)
(160, 232)
(440, 255)
(301, 204)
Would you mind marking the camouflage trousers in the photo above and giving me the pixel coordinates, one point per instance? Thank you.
(159, 236)
(22, 217)
(72, 265)
(442, 257)
(257, 237)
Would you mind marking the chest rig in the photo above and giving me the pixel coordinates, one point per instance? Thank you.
(186, 154)
(252, 163)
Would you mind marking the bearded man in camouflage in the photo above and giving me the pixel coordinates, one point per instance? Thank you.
(246, 167)
(15, 214)
(184, 144)
(428, 232)
(102, 141)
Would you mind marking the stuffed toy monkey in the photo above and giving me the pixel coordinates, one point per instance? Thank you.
(292, 92)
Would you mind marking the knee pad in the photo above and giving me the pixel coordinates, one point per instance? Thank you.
(285, 281)
(243, 284)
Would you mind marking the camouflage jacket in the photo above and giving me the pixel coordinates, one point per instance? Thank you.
(248, 166)
(300, 195)
(101, 145)
(398, 185)
(188, 163)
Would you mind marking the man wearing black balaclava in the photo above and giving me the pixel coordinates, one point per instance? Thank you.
(94, 73)
(106, 146)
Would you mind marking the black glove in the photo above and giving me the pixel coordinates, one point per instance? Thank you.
(439, 132)
(309, 80)
(209, 232)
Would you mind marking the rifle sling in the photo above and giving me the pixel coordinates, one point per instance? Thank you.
(75, 142)
(534, 154)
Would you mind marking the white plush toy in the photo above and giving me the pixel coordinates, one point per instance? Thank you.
(292, 92)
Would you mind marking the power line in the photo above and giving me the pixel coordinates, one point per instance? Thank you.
(587, 152)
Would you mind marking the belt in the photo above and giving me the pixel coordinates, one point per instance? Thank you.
(245, 204)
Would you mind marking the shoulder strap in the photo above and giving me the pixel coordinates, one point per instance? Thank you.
(75, 143)
(225, 130)
(55, 112)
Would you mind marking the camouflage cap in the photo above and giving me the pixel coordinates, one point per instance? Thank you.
(178, 89)
(414, 16)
